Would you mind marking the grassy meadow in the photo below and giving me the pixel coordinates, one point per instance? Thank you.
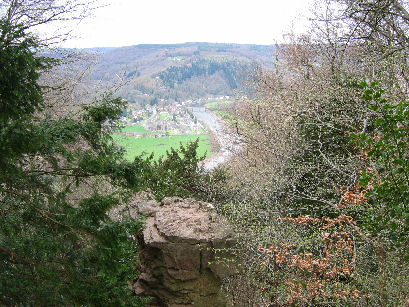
(136, 128)
(144, 145)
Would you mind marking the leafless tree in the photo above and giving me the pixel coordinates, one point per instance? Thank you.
(52, 17)
(296, 129)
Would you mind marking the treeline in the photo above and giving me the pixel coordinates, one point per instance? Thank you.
(232, 71)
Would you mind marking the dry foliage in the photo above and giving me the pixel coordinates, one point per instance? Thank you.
(298, 172)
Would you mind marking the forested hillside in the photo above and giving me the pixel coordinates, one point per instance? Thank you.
(178, 72)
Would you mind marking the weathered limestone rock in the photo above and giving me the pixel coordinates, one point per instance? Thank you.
(180, 248)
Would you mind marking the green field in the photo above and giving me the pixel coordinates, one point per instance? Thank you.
(137, 146)
(135, 128)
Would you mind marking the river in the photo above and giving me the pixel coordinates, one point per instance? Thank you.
(228, 143)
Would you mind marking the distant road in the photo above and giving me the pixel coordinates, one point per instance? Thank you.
(227, 144)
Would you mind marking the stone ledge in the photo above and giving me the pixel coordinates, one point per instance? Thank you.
(178, 256)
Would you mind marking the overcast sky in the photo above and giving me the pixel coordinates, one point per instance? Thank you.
(132, 22)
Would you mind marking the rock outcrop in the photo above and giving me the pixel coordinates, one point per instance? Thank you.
(184, 249)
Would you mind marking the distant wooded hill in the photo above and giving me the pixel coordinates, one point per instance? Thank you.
(162, 73)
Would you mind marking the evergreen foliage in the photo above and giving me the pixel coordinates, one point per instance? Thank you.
(19, 92)
(60, 177)
(178, 74)
(58, 181)
(386, 176)
(178, 173)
